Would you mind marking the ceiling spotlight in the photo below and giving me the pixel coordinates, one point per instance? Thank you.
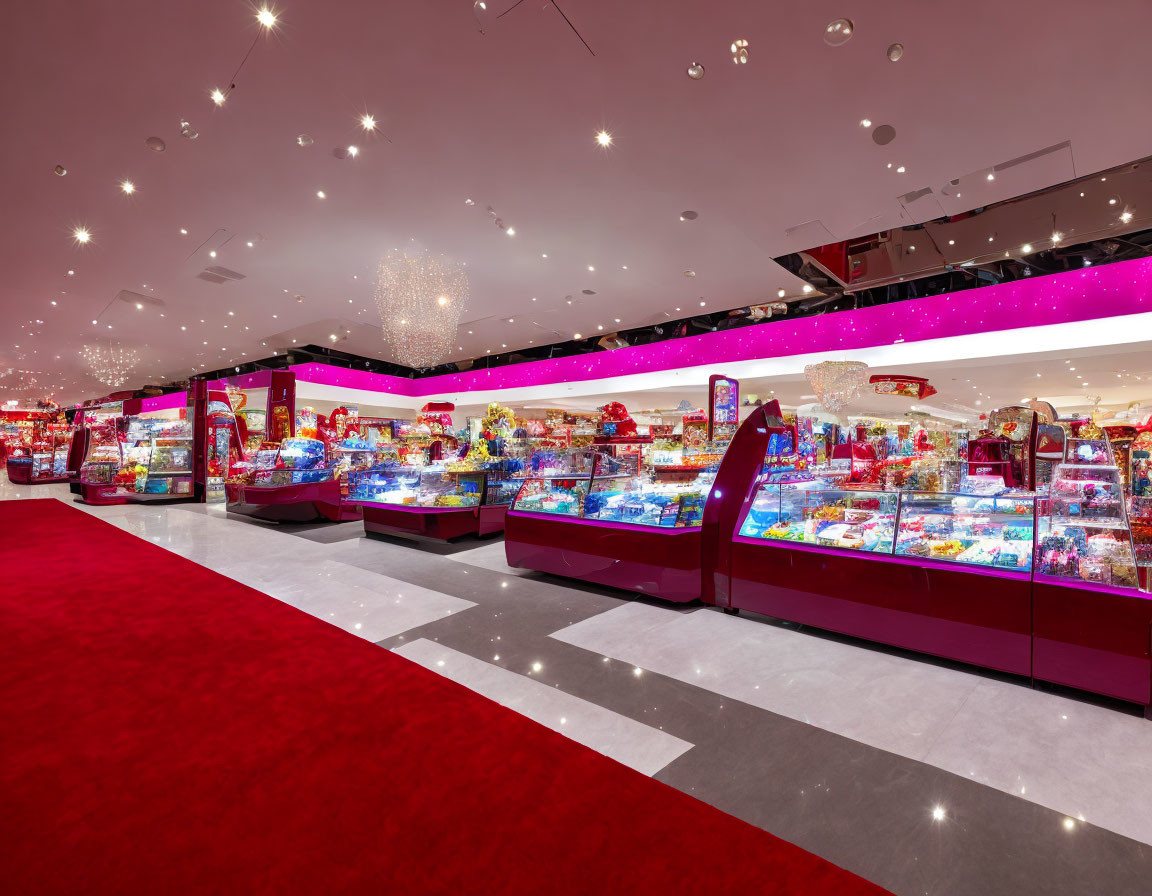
(480, 4)
(139, 307)
(951, 242)
(266, 17)
(577, 336)
(511, 231)
(218, 96)
(689, 215)
(368, 122)
(304, 140)
(938, 813)
(739, 50)
(250, 244)
(71, 273)
(81, 235)
(1026, 248)
(991, 176)
(320, 194)
(695, 71)
(604, 138)
(353, 151)
(807, 288)
(1056, 237)
(184, 231)
(591, 268)
(128, 187)
(212, 253)
(1125, 216)
(186, 130)
(60, 170)
(780, 293)
(442, 301)
(865, 122)
(900, 170)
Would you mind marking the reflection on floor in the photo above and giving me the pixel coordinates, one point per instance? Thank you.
(921, 776)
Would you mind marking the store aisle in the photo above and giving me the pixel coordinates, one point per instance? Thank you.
(168, 729)
(861, 789)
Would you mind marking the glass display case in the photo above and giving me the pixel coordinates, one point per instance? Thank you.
(157, 457)
(1083, 530)
(296, 461)
(420, 487)
(995, 531)
(642, 499)
(806, 512)
(974, 529)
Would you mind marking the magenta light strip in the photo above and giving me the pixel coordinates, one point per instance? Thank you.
(1110, 291)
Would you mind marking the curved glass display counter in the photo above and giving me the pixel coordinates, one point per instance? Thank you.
(291, 482)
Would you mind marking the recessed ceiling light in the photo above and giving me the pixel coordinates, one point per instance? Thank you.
(951, 242)
(183, 231)
(353, 151)
(212, 253)
(218, 97)
(320, 194)
(368, 122)
(900, 170)
(604, 138)
(543, 254)
(689, 215)
(739, 50)
(591, 268)
(81, 235)
(689, 273)
(838, 32)
(865, 122)
(511, 231)
(806, 288)
(991, 176)
(1026, 248)
(577, 336)
(1125, 217)
(71, 273)
(266, 17)
(128, 187)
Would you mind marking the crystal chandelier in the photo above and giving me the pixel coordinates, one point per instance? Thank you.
(111, 364)
(836, 383)
(419, 298)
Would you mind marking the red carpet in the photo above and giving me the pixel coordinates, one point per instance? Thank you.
(166, 730)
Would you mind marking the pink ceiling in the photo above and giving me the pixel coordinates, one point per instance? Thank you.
(504, 112)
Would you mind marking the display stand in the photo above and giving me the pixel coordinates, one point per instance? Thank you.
(659, 562)
(298, 503)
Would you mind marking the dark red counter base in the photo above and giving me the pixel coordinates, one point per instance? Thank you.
(437, 523)
(660, 562)
(1094, 637)
(21, 474)
(965, 613)
(302, 503)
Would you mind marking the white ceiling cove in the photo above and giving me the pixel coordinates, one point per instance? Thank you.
(503, 111)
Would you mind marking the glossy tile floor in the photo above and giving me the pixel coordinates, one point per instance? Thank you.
(923, 776)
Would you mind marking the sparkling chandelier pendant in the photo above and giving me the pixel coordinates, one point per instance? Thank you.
(836, 383)
(420, 298)
(112, 364)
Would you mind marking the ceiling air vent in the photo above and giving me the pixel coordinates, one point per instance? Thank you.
(218, 274)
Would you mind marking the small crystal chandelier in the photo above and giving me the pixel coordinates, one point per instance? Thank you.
(419, 298)
(112, 364)
(836, 383)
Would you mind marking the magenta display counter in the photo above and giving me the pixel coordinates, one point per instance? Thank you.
(970, 614)
(299, 503)
(438, 523)
(20, 473)
(657, 561)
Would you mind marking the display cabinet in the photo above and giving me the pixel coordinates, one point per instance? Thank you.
(805, 512)
(434, 501)
(614, 525)
(293, 482)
